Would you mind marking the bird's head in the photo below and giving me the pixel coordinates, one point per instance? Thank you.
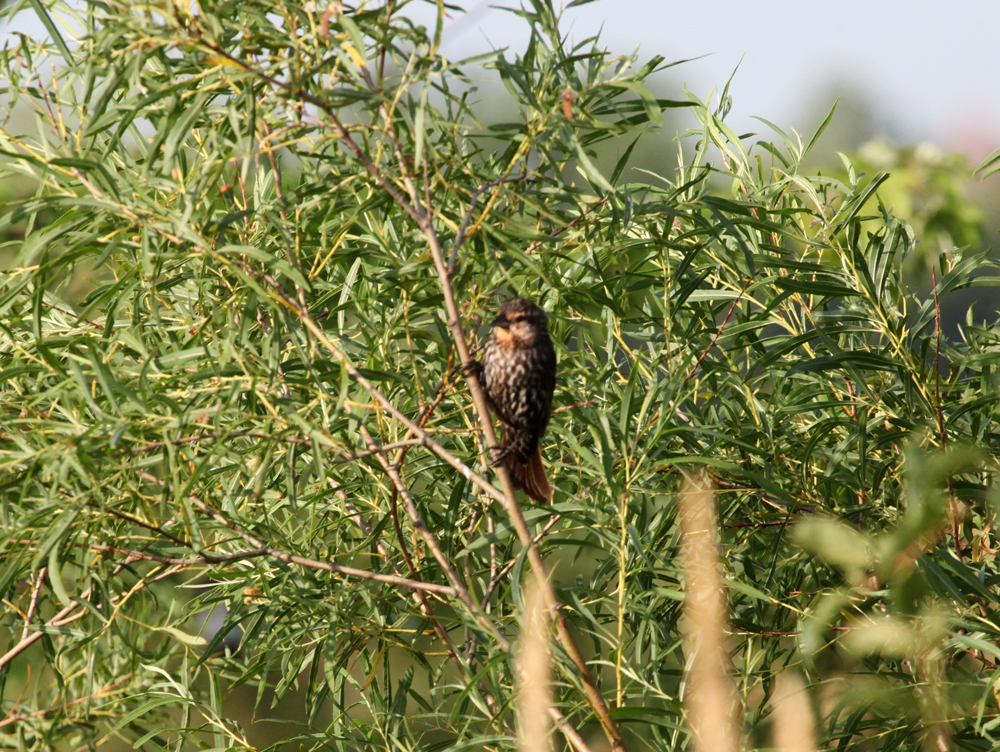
(519, 322)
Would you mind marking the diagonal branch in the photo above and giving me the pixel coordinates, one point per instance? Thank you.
(298, 440)
(722, 326)
(538, 243)
(262, 549)
(459, 589)
(34, 602)
(473, 199)
(594, 696)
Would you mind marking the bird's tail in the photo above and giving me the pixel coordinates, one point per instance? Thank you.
(529, 476)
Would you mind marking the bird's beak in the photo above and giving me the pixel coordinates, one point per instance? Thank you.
(503, 323)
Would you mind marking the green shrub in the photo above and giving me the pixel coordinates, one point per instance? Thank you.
(230, 291)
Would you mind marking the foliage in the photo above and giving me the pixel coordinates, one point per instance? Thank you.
(928, 188)
(243, 184)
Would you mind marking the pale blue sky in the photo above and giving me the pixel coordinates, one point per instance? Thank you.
(930, 68)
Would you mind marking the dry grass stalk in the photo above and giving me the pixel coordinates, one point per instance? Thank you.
(931, 694)
(709, 696)
(534, 663)
(794, 729)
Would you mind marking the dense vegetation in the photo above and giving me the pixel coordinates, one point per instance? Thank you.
(257, 239)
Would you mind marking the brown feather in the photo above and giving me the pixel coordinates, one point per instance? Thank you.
(529, 476)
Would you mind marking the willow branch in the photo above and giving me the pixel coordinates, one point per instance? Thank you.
(473, 199)
(262, 549)
(430, 540)
(34, 602)
(571, 223)
(62, 708)
(509, 501)
(346, 456)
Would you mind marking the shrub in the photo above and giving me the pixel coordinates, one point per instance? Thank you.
(260, 243)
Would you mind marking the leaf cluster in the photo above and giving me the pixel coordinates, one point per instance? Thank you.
(236, 190)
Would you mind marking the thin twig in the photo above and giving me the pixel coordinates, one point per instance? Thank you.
(465, 667)
(470, 643)
(570, 224)
(136, 521)
(382, 47)
(34, 602)
(68, 313)
(571, 734)
(346, 456)
(783, 523)
(458, 589)
(981, 657)
(360, 521)
(494, 564)
(498, 576)
(201, 557)
(61, 708)
(263, 549)
(571, 407)
(211, 437)
(721, 327)
(419, 595)
(473, 198)
(508, 499)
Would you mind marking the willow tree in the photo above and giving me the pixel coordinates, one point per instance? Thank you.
(250, 251)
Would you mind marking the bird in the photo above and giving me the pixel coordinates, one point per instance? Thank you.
(518, 376)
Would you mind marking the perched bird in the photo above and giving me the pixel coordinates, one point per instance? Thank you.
(518, 374)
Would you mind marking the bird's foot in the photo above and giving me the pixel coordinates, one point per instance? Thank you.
(472, 368)
(499, 454)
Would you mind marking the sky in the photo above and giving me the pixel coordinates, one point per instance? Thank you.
(925, 69)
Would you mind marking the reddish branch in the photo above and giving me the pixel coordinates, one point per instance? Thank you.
(62, 708)
(570, 224)
(33, 603)
(458, 589)
(723, 326)
(347, 456)
(460, 235)
(261, 550)
(68, 313)
(761, 524)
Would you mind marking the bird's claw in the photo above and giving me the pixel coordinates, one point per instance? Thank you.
(472, 368)
(499, 454)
